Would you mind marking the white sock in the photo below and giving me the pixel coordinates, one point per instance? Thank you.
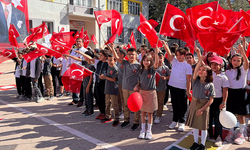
(203, 137)
(246, 120)
(242, 128)
(143, 126)
(196, 134)
(149, 127)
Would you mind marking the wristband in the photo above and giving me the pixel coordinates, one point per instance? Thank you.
(223, 103)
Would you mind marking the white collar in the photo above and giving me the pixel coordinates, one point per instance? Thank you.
(8, 6)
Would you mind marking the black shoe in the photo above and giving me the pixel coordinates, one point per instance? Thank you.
(60, 95)
(194, 146)
(67, 94)
(135, 127)
(125, 124)
(89, 114)
(79, 104)
(85, 112)
(202, 147)
(106, 120)
(50, 98)
(115, 123)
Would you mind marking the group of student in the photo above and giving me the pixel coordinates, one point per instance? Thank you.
(216, 83)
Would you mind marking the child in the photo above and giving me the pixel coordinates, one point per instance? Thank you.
(23, 76)
(102, 67)
(190, 60)
(237, 80)
(147, 88)
(111, 91)
(144, 49)
(221, 85)
(161, 87)
(130, 74)
(48, 77)
(180, 84)
(203, 93)
(18, 72)
(64, 67)
(87, 84)
(121, 53)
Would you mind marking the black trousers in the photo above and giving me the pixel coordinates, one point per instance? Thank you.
(28, 90)
(55, 80)
(88, 99)
(100, 96)
(40, 83)
(214, 114)
(19, 86)
(179, 104)
(166, 95)
(23, 82)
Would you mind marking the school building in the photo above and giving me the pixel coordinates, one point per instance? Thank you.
(75, 14)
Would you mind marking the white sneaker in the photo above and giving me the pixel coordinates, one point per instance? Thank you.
(40, 100)
(148, 135)
(172, 125)
(121, 116)
(165, 107)
(142, 135)
(229, 137)
(218, 142)
(181, 127)
(157, 120)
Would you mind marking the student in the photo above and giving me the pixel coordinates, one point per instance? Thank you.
(221, 85)
(64, 67)
(23, 75)
(111, 91)
(180, 84)
(203, 94)
(144, 49)
(48, 77)
(237, 80)
(102, 67)
(190, 60)
(57, 64)
(130, 75)
(18, 73)
(121, 53)
(161, 87)
(87, 84)
(147, 88)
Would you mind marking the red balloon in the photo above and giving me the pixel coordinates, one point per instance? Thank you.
(126, 58)
(190, 98)
(134, 102)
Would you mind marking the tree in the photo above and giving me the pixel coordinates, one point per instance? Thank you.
(240, 4)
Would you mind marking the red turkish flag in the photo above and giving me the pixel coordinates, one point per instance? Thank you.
(60, 48)
(221, 21)
(132, 39)
(202, 16)
(2, 58)
(176, 24)
(73, 77)
(246, 16)
(94, 39)
(13, 34)
(81, 34)
(102, 16)
(218, 42)
(86, 39)
(61, 30)
(9, 53)
(77, 35)
(153, 23)
(248, 51)
(148, 31)
(116, 26)
(126, 47)
(64, 39)
(38, 33)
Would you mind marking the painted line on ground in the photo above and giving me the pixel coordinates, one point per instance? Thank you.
(65, 128)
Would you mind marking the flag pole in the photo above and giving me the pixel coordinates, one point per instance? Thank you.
(235, 24)
(18, 32)
(86, 68)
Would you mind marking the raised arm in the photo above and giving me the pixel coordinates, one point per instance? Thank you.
(86, 57)
(242, 51)
(156, 57)
(73, 57)
(170, 55)
(112, 49)
(197, 50)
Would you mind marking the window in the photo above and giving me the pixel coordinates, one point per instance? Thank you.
(129, 34)
(30, 24)
(89, 3)
(134, 8)
(84, 3)
(109, 32)
(121, 38)
(115, 4)
(138, 37)
(50, 26)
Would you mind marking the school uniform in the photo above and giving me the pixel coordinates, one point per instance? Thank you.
(161, 88)
(201, 94)
(35, 71)
(220, 81)
(48, 77)
(168, 64)
(28, 91)
(65, 66)
(23, 76)
(102, 68)
(148, 90)
(54, 75)
(130, 78)
(236, 101)
(177, 83)
(18, 78)
(88, 96)
(111, 92)
(120, 93)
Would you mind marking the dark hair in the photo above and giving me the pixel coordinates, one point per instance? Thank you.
(80, 39)
(190, 54)
(209, 77)
(97, 56)
(173, 48)
(106, 48)
(96, 50)
(149, 57)
(110, 55)
(151, 50)
(131, 50)
(144, 47)
(187, 49)
(181, 51)
(238, 68)
(160, 54)
(90, 53)
(118, 47)
(123, 52)
(104, 53)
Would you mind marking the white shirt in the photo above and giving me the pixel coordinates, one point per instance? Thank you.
(24, 65)
(178, 77)
(139, 57)
(9, 8)
(17, 73)
(220, 81)
(33, 68)
(248, 79)
(65, 64)
(231, 75)
(57, 62)
(73, 53)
